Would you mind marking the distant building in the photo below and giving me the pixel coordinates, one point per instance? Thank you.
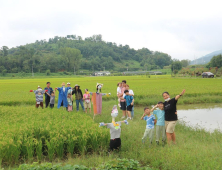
(143, 72)
(101, 73)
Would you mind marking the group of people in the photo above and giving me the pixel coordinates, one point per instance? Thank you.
(166, 112)
(125, 99)
(65, 97)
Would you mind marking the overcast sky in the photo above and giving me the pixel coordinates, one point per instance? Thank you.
(183, 29)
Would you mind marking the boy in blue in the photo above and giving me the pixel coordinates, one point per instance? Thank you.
(150, 122)
(129, 103)
(160, 125)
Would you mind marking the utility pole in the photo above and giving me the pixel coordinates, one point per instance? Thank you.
(74, 71)
(32, 71)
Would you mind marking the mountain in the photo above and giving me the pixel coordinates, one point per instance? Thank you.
(71, 53)
(205, 59)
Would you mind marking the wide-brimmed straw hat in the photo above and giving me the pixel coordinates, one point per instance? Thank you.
(76, 85)
(99, 84)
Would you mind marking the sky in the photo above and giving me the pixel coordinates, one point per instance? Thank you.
(183, 29)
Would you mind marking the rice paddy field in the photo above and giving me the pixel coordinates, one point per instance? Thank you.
(54, 135)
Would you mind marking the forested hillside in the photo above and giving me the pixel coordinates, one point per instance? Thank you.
(72, 52)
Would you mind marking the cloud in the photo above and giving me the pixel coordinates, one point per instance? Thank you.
(181, 29)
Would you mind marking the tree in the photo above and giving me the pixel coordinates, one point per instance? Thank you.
(185, 63)
(72, 57)
(176, 66)
(216, 61)
(4, 50)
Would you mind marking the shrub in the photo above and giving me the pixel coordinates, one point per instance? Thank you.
(48, 72)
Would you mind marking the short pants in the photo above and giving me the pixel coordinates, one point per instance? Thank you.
(39, 104)
(122, 105)
(129, 108)
(170, 126)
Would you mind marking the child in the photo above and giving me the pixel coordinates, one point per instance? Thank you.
(39, 96)
(52, 99)
(150, 121)
(69, 100)
(87, 103)
(129, 103)
(131, 94)
(160, 125)
(119, 86)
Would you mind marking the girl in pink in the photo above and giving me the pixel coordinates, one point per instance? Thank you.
(87, 103)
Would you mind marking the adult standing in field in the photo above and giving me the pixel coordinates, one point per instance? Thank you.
(63, 91)
(123, 101)
(79, 97)
(171, 115)
(49, 91)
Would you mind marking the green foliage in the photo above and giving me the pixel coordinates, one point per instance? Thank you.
(48, 72)
(50, 166)
(216, 61)
(63, 53)
(4, 72)
(151, 61)
(43, 133)
(176, 66)
(110, 165)
(185, 63)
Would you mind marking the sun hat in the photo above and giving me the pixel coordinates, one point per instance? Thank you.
(99, 84)
(76, 85)
(38, 87)
(68, 83)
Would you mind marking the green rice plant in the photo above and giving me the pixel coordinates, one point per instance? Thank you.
(50, 149)
(59, 146)
(71, 143)
(38, 148)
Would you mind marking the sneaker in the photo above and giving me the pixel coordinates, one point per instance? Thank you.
(129, 118)
(123, 117)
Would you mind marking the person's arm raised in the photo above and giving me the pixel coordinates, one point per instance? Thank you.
(181, 94)
(154, 108)
(143, 116)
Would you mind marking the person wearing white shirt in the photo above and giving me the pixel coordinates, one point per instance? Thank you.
(119, 87)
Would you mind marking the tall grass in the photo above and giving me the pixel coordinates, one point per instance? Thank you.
(28, 133)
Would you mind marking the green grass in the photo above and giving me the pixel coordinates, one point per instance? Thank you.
(147, 91)
(195, 149)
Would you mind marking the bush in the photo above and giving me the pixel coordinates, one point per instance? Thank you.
(47, 72)
(66, 73)
(114, 164)
(4, 72)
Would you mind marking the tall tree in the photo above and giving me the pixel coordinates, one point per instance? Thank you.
(4, 50)
(72, 57)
